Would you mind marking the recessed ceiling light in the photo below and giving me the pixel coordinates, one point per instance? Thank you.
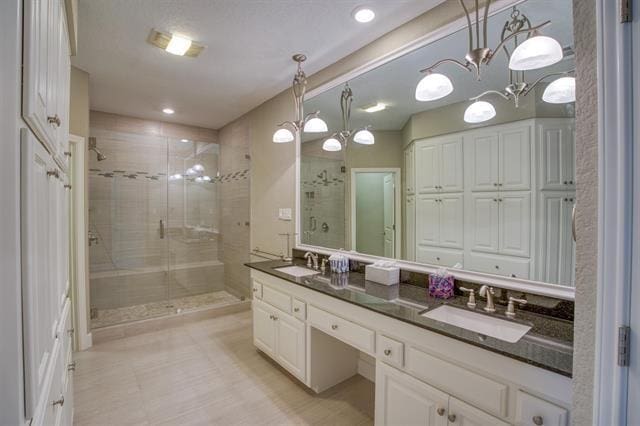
(185, 140)
(175, 44)
(178, 45)
(375, 107)
(363, 15)
(168, 111)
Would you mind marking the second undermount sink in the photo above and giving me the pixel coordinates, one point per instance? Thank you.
(297, 271)
(507, 331)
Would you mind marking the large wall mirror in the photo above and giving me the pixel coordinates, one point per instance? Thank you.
(486, 185)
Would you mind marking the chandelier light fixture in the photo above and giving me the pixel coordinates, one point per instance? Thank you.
(537, 51)
(310, 123)
(337, 140)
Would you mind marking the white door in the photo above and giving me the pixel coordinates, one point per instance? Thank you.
(451, 220)
(515, 159)
(410, 228)
(389, 198)
(461, 414)
(427, 159)
(404, 400)
(482, 160)
(483, 217)
(428, 220)
(291, 345)
(451, 165)
(556, 156)
(264, 327)
(515, 223)
(409, 171)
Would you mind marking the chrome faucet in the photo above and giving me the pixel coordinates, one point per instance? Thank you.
(311, 256)
(488, 292)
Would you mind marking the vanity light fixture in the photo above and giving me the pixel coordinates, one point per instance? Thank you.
(363, 14)
(206, 178)
(168, 111)
(309, 123)
(375, 107)
(538, 53)
(362, 136)
(332, 145)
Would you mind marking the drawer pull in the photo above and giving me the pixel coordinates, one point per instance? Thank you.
(440, 411)
(71, 331)
(387, 352)
(67, 186)
(334, 327)
(255, 290)
(296, 309)
(275, 318)
(71, 366)
(537, 420)
(53, 172)
(67, 153)
(452, 418)
(59, 402)
(54, 119)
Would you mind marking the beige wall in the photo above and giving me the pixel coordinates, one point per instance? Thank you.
(79, 103)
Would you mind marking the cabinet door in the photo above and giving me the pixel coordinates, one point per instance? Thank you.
(461, 414)
(410, 228)
(53, 71)
(427, 170)
(451, 220)
(428, 220)
(556, 157)
(515, 159)
(482, 228)
(409, 177)
(64, 69)
(404, 400)
(482, 161)
(515, 223)
(451, 165)
(264, 327)
(556, 241)
(290, 347)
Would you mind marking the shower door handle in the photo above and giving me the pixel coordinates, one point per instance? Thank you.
(161, 229)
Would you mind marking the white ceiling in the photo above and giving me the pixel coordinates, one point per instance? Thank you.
(247, 59)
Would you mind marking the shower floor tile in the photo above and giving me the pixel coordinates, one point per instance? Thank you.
(107, 317)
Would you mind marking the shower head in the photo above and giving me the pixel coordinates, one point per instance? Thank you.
(93, 146)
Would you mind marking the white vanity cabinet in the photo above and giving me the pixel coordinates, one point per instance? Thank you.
(556, 155)
(556, 246)
(439, 165)
(439, 220)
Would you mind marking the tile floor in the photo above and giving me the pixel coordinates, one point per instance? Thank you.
(204, 373)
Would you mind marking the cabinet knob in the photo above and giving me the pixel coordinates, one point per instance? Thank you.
(452, 418)
(334, 327)
(296, 309)
(275, 318)
(440, 411)
(71, 366)
(566, 182)
(570, 182)
(537, 420)
(499, 200)
(495, 200)
(67, 186)
(67, 153)
(499, 184)
(495, 184)
(71, 331)
(255, 290)
(59, 402)
(497, 267)
(54, 119)
(387, 352)
(437, 258)
(54, 172)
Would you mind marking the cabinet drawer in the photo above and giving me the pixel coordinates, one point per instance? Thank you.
(299, 309)
(256, 289)
(478, 390)
(532, 411)
(439, 256)
(390, 351)
(353, 334)
(508, 266)
(276, 298)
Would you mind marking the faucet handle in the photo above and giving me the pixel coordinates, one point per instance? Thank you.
(472, 297)
(511, 311)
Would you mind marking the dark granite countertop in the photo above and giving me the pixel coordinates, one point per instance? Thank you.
(548, 345)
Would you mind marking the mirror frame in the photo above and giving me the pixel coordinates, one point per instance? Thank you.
(517, 284)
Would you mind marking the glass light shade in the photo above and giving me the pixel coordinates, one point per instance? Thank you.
(315, 125)
(560, 91)
(364, 137)
(332, 144)
(282, 136)
(198, 167)
(199, 179)
(432, 87)
(535, 52)
(479, 111)
(206, 178)
(190, 172)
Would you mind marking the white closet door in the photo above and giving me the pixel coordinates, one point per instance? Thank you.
(451, 220)
(427, 156)
(556, 156)
(451, 165)
(551, 206)
(515, 159)
(482, 161)
(428, 220)
(483, 222)
(515, 223)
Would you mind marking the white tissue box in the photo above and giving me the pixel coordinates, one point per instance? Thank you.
(382, 274)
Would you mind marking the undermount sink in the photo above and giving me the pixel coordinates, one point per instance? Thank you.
(297, 271)
(507, 331)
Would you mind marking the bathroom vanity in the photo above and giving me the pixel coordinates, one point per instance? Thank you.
(426, 371)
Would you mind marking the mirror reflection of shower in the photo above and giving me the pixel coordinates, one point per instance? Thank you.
(93, 146)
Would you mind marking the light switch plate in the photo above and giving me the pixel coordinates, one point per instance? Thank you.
(284, 214)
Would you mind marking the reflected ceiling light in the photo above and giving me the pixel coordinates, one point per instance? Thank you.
(190, 172)
(433, 86)
(536, 52)
(198, 167)
(185, 140)
(363, 15)
(479, 112)
(199, 179)
(332, 145)
(177, 176)
(560, 91)
(178, 45)
(168, 111)
(364, 137)
(375, 108)
(206, 178)
(310, 123)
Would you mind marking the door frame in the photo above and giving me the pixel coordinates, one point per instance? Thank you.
(397, 196)
(78, 238)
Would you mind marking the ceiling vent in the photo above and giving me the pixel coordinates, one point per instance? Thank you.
(161, 40)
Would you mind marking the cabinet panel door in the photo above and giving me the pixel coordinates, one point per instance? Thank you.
(466, 415)
(427, 168)
(515, 223)
(451, 165)
(428, 220)
(483, 222)
(410, 228)
(264, 328)
(482, 161)
(451, 220)
(404, 400)
(515, 159)
(409, 177)
(63, 74)
(556, 157)
(291, 345)
(53, 68)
